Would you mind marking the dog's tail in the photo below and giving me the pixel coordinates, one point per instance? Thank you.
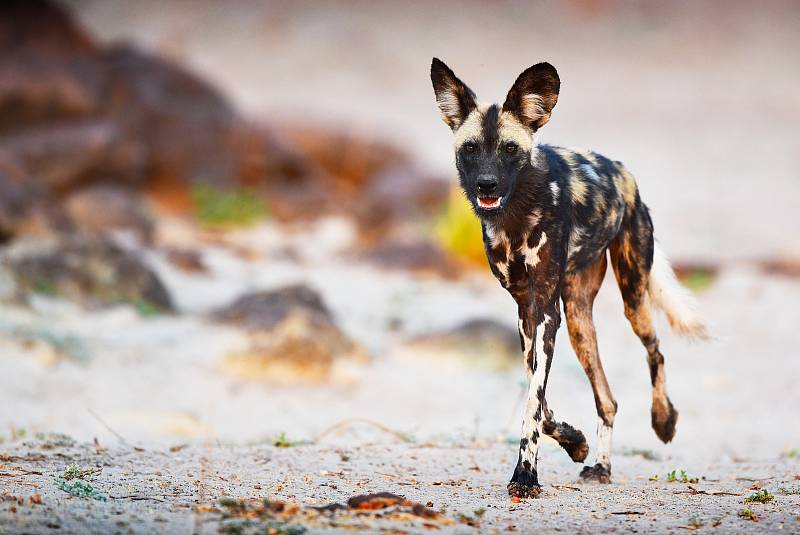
(675, 300)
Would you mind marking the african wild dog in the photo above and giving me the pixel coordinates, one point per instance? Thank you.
(549, 215)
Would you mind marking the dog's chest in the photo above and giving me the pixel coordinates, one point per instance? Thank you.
(512, 256)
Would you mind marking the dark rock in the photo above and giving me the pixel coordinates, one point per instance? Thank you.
(187, 260)
(413, 255)
(102, 207)
(90, 271)
(25, 207)
(483, 342)
(293, 337)
(266, 309)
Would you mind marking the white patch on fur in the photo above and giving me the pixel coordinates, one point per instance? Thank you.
(532, 404)
(556, 190)
(675, 300)
(603, 443)
(532, 253)
(574, 237)
(510, 129)
(589, 172)
(471, 128)
(527, 343)
(449, 106)
(498, 237)
(537, 159)
(532, 107)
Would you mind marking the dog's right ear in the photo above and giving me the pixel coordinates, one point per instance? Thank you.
(454, 98)
(533, 95)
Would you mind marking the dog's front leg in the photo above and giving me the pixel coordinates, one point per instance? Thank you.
(539, 321)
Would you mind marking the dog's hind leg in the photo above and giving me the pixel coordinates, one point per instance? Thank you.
(632, 258)
(578, 295)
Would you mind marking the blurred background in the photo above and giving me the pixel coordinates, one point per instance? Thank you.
(235, 222)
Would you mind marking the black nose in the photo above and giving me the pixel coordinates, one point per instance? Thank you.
(487, 184)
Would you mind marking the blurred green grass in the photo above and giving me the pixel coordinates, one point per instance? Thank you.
(222, 208)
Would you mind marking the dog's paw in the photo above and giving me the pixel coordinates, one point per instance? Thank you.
(597, 473)
(522, 491)
(572, 440)
(663, 419)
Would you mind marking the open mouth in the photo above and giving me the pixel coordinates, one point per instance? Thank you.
(489, 202)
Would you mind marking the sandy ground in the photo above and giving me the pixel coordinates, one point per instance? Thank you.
(165, 491)
(162, 379)
(160, 382)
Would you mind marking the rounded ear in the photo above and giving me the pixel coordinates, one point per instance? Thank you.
(534, 95)
(456, 101)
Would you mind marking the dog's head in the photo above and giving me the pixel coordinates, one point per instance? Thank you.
(493, 143)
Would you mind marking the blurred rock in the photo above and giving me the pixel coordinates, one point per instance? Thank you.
(480, 342)
(75, 112)
(104, 207)
(293, 338)
(786, 266)
(91, 271)
(358, 176)
(187, 260)
(418, 255)
(25, 207)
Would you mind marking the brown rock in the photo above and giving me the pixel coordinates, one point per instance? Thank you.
(293, 337)
(481, 342)
(90, 271)
(102, 207)
(25, 207)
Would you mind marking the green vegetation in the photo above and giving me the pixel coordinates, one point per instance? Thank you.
(698, 279)
(215, 207)
(283, 442)
(748, 514)
(17, 433)
(681, 477)
(695, 522)
(146, 309)
(75, 471)
(762, 496)
(81, 489)
(458, 231)
(73, 481)
(44, 287)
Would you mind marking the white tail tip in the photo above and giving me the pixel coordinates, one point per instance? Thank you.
(675, 300)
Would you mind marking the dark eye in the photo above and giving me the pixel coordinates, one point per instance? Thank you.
(511, 148)
(469, 147)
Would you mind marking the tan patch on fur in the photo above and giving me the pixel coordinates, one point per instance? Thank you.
(449, 105)
(626, 185)
(471, 129)
(510, 129)
(532, 107)
(578, 190)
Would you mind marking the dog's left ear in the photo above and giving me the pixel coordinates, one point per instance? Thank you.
(454, 98)
(534, 95)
